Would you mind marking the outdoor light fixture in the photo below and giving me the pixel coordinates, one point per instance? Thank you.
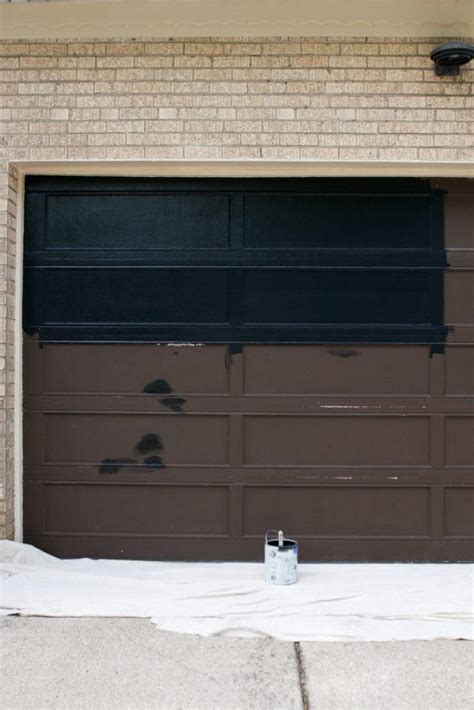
(448, 57)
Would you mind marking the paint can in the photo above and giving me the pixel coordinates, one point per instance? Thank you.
(281, 558)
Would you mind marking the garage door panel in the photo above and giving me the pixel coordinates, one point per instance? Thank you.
(459, 512)
(346, 511)
(460, 441)
(273, 475)
(141, 221)
(459, 297)
(375, 297)
(336, 369)
(132, 296)
(121, 439)
(131, 509)
(164, 370)
(336, 441)
(296, 221)
(460, 370)
(459, 221)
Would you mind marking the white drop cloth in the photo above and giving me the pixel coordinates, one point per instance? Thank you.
(340, 602)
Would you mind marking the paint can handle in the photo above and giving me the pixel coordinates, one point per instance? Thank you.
(268, 533)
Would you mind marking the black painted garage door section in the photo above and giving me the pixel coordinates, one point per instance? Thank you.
(206, 359)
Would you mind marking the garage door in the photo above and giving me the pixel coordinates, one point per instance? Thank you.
(207, 359)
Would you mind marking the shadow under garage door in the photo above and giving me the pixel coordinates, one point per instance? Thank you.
(207, 359)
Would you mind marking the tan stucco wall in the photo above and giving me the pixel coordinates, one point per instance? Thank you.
(261, 100)
(125, 19)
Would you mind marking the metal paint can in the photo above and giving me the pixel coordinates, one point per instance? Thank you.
(281, 559)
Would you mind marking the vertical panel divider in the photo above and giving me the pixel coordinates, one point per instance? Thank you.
(236, 440)
(236, 220)
(437, 512)
(437, 375)
(236, 374)
(236, 495)
(437, 441)
(236, 456)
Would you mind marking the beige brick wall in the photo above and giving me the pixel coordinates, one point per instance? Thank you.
(210, 99)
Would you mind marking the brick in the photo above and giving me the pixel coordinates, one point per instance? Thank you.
(164, 48)
(285, 114)
(399, 154)
(145, 112)
(233, 62)
(310, 61)
(360, 48)
(195, 152)
(115, 62)
(169, 113)
(52, 49)
(154, 61)
(59, 114)
(91, 49)
(125, 153)
(194, 62)
(125, 48)
(35, 62)
(211, 75)
(76, 62)
(164, 152)
(272, 62)
(106, 139)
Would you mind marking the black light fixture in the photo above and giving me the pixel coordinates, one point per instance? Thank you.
(448, 57)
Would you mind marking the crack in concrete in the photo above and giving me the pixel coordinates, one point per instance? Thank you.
(301, 676)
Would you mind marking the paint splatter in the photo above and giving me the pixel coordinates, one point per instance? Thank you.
(147, 444)
(174, 403)
(155, 461)
(344, 353)
(114, 465)
(158, 387)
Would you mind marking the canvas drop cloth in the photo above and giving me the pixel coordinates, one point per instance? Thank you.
(340, 602)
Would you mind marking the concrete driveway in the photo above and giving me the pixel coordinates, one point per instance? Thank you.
(127, 664)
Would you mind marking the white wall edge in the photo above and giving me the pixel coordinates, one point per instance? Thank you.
(247, 168)
(18, 359)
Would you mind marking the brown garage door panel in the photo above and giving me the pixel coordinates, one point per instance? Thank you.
(459, 221)
(100, 438)
(460, 441)
(135, 510)
(384, 549)
(129, 369)
(344, 510)
(459, 512)
(459, 297)
(336, 441)
(337, 369)
(460, 370)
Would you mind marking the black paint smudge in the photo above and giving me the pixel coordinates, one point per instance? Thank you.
(114, 465)
(343, 353)
(174, 403)
(147, 444)
(158, 387)
(154, 461)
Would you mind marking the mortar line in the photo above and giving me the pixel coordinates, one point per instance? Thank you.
(301, 676)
